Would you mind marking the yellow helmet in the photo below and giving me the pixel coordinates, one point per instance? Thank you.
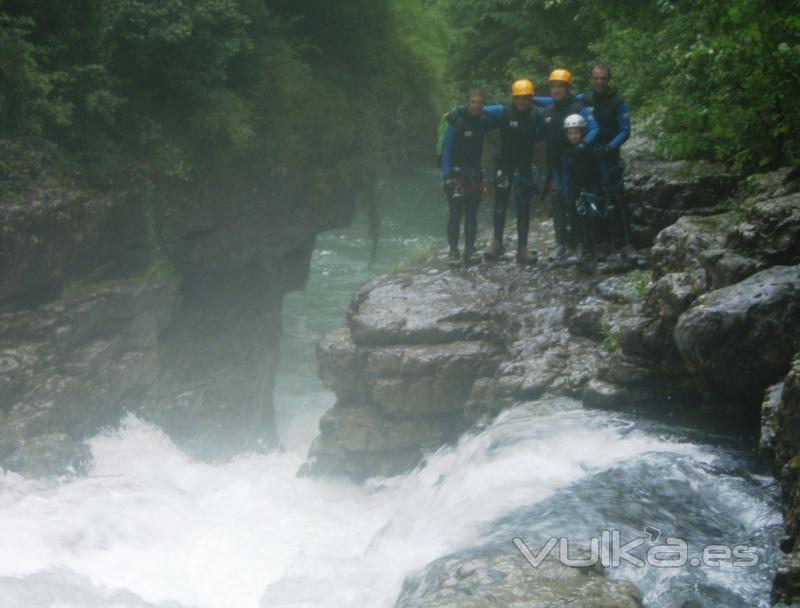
(522, 87)
(560, 76)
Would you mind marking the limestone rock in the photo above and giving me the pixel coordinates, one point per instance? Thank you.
(786, 586)
(598, 393)
(770, 411)
(586, 321)
(668, 299)
(787, 416)
(72, 366)
(497, 577)
(96, 321)
(725, 267)
(770, 231)
(360, 441)
(661, 192)
(421, 309)
(58, 238)
(681, 246)
(338, 363)
(49, 454)
(738, 340)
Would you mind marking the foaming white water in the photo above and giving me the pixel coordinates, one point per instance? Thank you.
(150, 520)
(150, 526)
(520, 460)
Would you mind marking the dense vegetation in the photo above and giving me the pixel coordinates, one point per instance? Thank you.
(715, 79)
(171, 89)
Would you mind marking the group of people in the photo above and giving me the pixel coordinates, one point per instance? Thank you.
(582, 134)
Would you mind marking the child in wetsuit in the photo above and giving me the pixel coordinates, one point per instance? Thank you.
(581, 186)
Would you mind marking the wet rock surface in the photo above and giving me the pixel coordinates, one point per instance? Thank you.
(606, 334)
(738, 340)
(783, 435)
(113, 302)
(661, 192)
(705, 317)
(427, 353)
(72, 366)
(499, 577)
(770, 231)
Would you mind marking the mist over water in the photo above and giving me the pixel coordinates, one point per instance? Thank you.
(151, 527)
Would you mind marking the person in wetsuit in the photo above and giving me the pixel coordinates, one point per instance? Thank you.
(613, 119)
(564, 104)
(520, 127)
(580, 187)
(462, 174)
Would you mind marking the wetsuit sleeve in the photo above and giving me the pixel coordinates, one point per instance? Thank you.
(453, 113)
(543, 102)
(564, 185)
(591, 126)
(447, 152)
(494, 112)
(624, 122)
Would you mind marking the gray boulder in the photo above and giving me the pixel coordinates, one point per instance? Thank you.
(770, 411)
(421, 309)
(681, 246)
(497, 578)
(661, 192)
(70, 367)
(667, 300)
(770, 231)
(738, 340)
(784, 419)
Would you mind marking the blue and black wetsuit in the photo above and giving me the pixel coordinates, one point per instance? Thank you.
(613, 118)
(519, 132)
(556, 144)
(580, 187)
(461, 170)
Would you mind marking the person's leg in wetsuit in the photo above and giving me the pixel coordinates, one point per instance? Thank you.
(617, 197)
(502, 195)
(472, 200)
(523, 192)
(560, 205)
(455, 201)
(611, 170)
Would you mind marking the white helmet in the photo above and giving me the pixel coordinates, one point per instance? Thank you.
(574, 121)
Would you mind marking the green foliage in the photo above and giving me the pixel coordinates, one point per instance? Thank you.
(217, 89)
(27, 100)
(716, 80)
(498, 41)
(610, 341)
(720, 78)
(641, 281)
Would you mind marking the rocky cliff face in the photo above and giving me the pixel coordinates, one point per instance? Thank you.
(709, 314)
(93, 323)
(430, 351)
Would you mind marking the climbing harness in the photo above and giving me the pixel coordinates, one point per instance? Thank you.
(516, 181)
(589, 204)
(467, 181)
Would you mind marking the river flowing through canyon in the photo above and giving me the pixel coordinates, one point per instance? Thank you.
(151, 526)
